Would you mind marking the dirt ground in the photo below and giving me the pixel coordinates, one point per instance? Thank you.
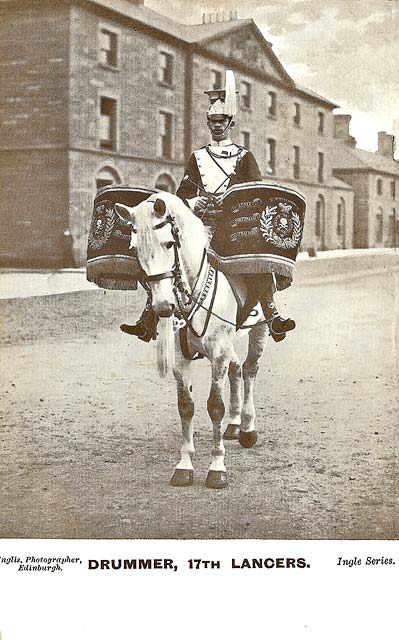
(90, 434)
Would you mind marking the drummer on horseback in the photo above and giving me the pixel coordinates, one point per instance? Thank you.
(210, 171)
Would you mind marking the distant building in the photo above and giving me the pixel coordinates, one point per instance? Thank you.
(374, 178)
(98, 92)
(395, 131)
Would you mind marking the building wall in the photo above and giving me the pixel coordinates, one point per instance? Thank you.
(368, 204)
(34, 63)
(33, 209)
(33, 133)
(382, 205)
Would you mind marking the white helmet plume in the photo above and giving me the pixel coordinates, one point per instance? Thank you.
(230, 99)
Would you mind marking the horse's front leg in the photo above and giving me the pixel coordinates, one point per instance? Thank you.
(184, 472)
(235, 377)
(217, 477)
(256, 345)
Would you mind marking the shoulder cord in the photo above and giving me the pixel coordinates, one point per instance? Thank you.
(214, 156)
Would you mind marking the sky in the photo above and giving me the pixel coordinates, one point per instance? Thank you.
(346, 50)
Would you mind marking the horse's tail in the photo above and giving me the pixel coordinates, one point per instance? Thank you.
(165, 346)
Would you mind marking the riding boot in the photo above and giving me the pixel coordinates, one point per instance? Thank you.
(278, 326)
(146, 327)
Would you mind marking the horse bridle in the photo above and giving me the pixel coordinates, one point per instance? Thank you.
(178, 287)
(176, 271)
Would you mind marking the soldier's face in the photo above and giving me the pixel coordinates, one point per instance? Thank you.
(219, 126)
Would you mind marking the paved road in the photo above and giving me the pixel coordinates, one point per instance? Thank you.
(90, 435)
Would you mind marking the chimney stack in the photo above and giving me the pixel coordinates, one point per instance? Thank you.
(386, 144)
(341, 128)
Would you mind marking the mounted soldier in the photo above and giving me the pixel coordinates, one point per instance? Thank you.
(210, 171)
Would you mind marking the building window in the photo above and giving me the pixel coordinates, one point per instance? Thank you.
(108, 48)
(392, 228)
(108, 123)
(165, 135)
(272, 104)
(245, 139)
(245, 94)
(165, 69)
(339, 219)
(164, 182)
(297, 163)
(379, 230)
(271, 156)
(216, 79)
(317, 224)
(297, 114)
(379, 187)
(393, 189)
(320, 128)
(320, 167)
(107, 177)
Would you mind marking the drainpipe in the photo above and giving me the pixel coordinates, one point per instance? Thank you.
(188, 104)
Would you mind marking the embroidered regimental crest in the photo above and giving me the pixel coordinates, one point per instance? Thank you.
(102, 224)
(280, 225)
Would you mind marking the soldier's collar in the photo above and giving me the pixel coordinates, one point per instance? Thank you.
(224, 149)
(222, 143)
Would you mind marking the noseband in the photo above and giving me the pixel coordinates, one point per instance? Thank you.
(176, 271)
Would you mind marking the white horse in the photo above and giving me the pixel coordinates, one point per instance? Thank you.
(171, 248)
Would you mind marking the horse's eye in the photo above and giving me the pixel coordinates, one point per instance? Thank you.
(169, 244)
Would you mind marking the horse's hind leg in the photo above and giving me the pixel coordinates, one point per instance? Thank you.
(256, 345)
(233, 428)
(184, 472)
(217, 478)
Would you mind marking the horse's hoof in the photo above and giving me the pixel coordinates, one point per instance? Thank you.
(232, 432)
(216, 479)
(247, 439)
(182, 478)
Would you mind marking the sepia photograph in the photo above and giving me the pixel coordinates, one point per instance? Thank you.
(199, 270)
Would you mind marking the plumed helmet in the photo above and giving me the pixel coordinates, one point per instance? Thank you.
(224, 101)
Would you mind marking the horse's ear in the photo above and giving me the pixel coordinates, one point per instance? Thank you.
(159, 208)
(126, 214)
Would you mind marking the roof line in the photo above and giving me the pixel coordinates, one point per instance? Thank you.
(235, 27)
(349, 150)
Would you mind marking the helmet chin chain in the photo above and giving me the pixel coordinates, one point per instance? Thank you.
(228, 125)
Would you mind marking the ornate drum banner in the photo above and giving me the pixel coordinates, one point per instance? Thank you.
(110, 262)
(260, 231)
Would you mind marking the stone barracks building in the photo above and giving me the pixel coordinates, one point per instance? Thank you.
(96, 92)
(374, 178)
